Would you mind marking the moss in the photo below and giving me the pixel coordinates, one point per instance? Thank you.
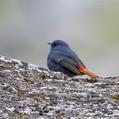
(114, 98)
(44, 76)
(92, 80)
(28, 79)
(77, 98)
(28, 85)
(38, 98)
(18, 95)
(21, 116)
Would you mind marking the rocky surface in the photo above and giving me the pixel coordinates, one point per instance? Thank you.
(30, 92)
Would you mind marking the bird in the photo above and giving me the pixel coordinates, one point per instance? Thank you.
(62, 58)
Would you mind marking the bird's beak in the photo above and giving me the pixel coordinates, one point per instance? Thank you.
(49, 43)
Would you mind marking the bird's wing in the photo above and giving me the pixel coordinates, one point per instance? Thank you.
(73, 66)
(67, 63)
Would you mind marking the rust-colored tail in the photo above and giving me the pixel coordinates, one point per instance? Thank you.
(86, 71)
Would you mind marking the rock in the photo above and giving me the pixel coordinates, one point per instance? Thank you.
(30, 92)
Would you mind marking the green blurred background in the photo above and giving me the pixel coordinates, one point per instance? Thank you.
(91, 27)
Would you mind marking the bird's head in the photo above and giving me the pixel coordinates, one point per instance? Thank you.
(57, 43)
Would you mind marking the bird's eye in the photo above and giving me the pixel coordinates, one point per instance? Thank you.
(54, 44)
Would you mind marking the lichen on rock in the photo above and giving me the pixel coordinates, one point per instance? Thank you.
(30, 92)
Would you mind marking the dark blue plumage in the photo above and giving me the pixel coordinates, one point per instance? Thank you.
(63, 59)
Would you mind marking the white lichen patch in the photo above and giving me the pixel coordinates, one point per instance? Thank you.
(27, 110)
(18, 61)
(4, 59)
(11, 109)
(33, 67)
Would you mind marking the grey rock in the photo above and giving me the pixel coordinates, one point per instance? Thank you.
(30, 92)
